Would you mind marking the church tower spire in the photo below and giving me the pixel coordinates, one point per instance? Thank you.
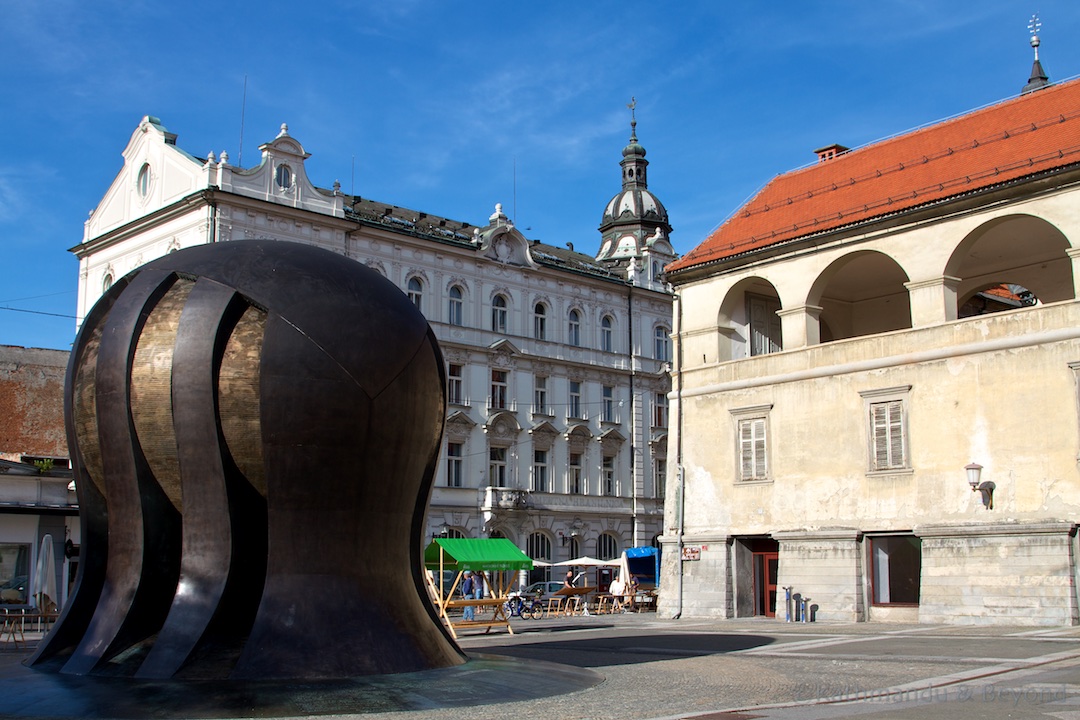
(634, 228)
(1039, 78)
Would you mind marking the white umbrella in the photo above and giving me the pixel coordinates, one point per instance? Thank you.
(45, 575)
(586, 561)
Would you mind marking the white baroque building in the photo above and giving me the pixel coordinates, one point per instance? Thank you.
(557, 362)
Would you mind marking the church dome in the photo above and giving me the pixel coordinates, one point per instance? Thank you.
(634, 204)
(634, 148)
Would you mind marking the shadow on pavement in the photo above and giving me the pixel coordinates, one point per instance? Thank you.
(626, 650)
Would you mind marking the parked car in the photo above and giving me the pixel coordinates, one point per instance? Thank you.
(543, 589)
(14, 590)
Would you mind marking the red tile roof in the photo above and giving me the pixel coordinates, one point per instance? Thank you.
(1012, 139)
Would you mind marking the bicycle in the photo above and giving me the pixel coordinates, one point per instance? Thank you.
(517, 606)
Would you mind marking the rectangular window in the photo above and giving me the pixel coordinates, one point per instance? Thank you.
(752, 443)
(608, 472)
(574, 484)
(764, 325)
(660, 408)
(15, 573)
(499, 384)
(752, 456)
(660, 476)
(897, 569)
(573, 408)
(887, 429)
(540, 403)
(887, 438)
(455, 452)
(455, 307)
(609, 403)
(454, 390)
(497, 467)
(660, 346)
(540, 323)
(540, 471)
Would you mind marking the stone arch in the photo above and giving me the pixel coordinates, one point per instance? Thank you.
(1015, 250)
(747, 322)
(861, 293)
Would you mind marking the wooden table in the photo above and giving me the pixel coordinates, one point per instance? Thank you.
(574, 599)
(498, 615)
(13, 624)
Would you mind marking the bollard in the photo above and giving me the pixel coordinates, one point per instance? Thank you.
(802, 609)
(787, 603)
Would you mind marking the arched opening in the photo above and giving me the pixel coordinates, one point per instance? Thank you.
(1010, 263)
(862, 293)
(748, 323)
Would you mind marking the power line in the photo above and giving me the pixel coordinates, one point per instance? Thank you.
(39, 312)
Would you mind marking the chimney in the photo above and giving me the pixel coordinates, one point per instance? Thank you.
(830, 151)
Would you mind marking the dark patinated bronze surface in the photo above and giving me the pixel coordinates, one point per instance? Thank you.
(254, 429)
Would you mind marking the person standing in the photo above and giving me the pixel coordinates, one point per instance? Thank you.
(468, 590)
(617, 588)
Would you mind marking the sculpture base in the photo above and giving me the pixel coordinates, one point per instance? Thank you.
(484, 679)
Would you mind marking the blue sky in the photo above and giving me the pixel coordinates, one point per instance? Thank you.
(450, 107)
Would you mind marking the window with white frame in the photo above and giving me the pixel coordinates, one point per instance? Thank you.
(540, 321)
(455, 306)
(540, 471)
(574, 478)
(499, 384)
(497, 467)
(608, 396)
(607, 334)
(607, 471)
(752, 443)
(498, 314)
(540, 396)
(416, 293)
(573, 407)
(659, 476)
(455, 470)
(660, 410)
(573, 335)
(538, 546)
(660, 344)
(607, 547)
(886, 424)
(283, 177)
(454, 384)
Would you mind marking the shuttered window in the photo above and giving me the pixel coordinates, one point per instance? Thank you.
(887, 433)
(752, 450)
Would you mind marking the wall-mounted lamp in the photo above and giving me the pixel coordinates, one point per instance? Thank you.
(443, 532)
(974, 473)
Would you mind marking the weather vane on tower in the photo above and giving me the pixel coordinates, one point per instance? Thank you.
(1033, 27)
(633, 119)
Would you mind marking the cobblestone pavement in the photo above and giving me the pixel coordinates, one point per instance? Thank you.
(651, 668)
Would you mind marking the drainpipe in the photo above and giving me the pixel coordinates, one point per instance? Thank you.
(679, 457)
(633, 419)
(212, 204)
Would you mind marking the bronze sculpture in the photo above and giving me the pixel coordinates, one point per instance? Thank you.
(254, 428)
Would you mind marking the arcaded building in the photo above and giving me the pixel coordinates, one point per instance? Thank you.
(875, 393)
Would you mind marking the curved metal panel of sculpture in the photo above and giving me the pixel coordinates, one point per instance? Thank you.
(254, 428)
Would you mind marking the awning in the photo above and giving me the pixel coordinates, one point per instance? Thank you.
(488, 555)
(586, 561)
